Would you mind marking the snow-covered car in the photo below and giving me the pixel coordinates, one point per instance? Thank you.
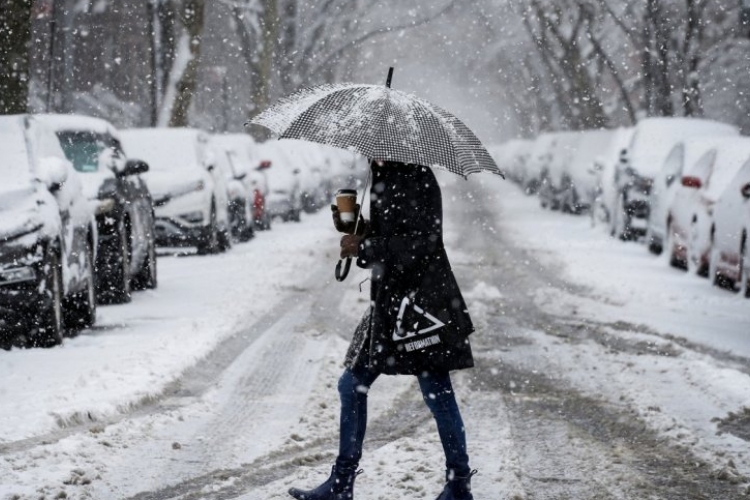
(552, 176)
(538, 161)
(239, 196)
(47, 237)
(730, 257)
(690, 228)
(667, 182)
(251, 171)
(512, 157)
(605, 166)
(189, 192)
(126, 258)
(578, 186)
(284, 198)
(651, 143)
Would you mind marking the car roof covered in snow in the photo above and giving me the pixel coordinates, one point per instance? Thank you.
(654, 139)
(166, 148)
(82, 123)
(732, 154)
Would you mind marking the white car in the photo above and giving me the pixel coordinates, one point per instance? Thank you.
(539, 159)
(189, 191)
(649, 147)
(251, 171)
(730, 255)
(47, 237)
(284, 198)
(552, 175)
(239, 195)
(684, 155)
(690, 228)
(512, 157)
(578, 187)
(605, 166)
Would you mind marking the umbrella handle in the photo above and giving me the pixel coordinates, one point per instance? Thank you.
(341, 276)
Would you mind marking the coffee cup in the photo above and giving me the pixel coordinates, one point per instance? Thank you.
(346, 202)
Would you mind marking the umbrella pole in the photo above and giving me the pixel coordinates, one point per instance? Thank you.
(341, 275)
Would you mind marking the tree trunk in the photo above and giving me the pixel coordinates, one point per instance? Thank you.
(192, 16)
(15, 37)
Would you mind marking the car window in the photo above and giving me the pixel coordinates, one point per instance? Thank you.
(82, 149)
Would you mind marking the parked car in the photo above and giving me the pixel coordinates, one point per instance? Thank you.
(284, 198)
(605, 166)
(690, 228)
(512, 157)
(539, 159)
(578, 186)
(126, 259)
(552, 175)
(685, 154)
(47, 237)
(251, 171)
(730, 256)
(238, 195)
(649, 147)
(189, 192)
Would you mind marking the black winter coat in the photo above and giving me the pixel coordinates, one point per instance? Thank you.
(418, 320)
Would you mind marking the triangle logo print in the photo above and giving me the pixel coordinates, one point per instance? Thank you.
(412, 321)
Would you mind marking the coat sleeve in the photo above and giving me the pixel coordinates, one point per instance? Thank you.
(397, 250)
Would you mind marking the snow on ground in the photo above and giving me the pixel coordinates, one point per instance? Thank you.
(628, 283)
(137, 349)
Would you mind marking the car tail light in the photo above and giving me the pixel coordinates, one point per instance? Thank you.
(259, 203)
(692, 182)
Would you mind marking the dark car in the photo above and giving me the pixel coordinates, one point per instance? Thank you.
(47, 238)
(124, 215)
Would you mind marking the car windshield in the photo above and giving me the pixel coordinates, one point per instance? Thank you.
(83, 149)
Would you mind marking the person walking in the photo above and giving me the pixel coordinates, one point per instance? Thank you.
(417, 323)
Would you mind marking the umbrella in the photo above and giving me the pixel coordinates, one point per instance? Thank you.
(381, 123)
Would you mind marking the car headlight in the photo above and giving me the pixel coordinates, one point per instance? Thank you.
(105, 206)
(17, 275)
(194, 217)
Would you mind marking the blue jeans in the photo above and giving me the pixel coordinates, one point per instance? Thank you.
(438, 394)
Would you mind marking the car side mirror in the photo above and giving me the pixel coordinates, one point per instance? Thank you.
(134, 167)
(745, 190)
(53, 172)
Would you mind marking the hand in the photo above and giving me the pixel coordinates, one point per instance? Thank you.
(350, 245)
(347, 227)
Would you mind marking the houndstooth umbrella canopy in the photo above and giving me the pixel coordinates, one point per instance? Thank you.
(379, 123)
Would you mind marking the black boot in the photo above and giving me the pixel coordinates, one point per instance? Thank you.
(457, 487)
(339, 486)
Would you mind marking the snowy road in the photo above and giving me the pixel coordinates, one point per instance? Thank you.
(601, 373)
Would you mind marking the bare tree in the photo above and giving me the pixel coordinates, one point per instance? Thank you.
(15, 36)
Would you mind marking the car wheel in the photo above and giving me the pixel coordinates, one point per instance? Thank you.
(80, 308)
(146, 277)
(48, 324)
(744, 273)
(670, 247)
(114, 279)
(210, 243)
(224, 240)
